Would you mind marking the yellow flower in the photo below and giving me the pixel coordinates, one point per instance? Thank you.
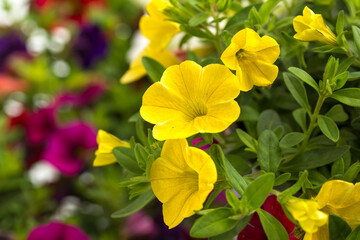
(137, 70)
(159, 31)
(342, 199)
(107, 143)
(252, 57)
(182, 178)
(190, 99)
(307, 213)
(311, 27)
(155, 25)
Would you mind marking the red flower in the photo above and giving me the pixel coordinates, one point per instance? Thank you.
(254, 229)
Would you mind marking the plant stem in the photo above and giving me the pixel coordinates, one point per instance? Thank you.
(313, 120)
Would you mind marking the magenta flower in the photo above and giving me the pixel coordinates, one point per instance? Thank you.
(83, 98)
(254, 229)
(140, 225)
(57, 231)
(204, 147)
(67, 147)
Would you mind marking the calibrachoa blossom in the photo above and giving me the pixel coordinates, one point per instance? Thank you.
(190, 99)
(182, 178)
(159, 31)
(307, 213)
(67, 145)
(340, 198)
(255, 231)
(137, 70)
(10, 44)
(155, 25)
(252, 57)
(312, 27)
(107, 142)
(90, 46)
(57, 231)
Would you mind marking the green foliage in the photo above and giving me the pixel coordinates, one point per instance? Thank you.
(153, 68)
(273, 228)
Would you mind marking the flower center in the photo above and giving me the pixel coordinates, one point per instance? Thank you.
(197, 109)
(242, 54)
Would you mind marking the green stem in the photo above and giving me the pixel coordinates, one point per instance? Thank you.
(313, 120)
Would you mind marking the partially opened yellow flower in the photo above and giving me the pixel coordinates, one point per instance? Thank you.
(182, 178)
(307, 213)
(137, 70)
(190, 99)
(340, 198)
(252, 57)
(160, 32)
(107, 142)
(155, 25)
(312, 27)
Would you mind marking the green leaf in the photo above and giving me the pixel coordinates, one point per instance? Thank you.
(338, 228)
(314, 158)
(141, 155)
(330, 68)
(297, 90)
(136, 205)
(300, 117)
(354, 235)
(340, 23)
(229, 235)
(269, 153)
(239, 18)
(340, 80)
(257, 191)
(248, 113)
(195, 31)
(285, 195)
(356, 34)
(291, 139)
(352, 172)
(338, 167)
(254, 16)
(354, 76)
(153, 68)
(232, 199)
(214, 223)
(198, 19)
(337, 113)
(282, 179)
(304, 76)
(126, 158)
(248, 140)
(266, 9)
(235, 179)
(227, 36)
(273, 228)
(328, 127)
(348, 96)
(345, 64)
(268, 120)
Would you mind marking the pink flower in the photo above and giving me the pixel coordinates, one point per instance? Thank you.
(254, 229)
(57, 231)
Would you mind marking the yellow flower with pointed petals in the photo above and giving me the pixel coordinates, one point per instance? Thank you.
(182, 178)
(340, 198)
(307, 213)
(137, 70)
(155, 25)
(252, 57)
(312, 27)
(107, 142)
(190, 99)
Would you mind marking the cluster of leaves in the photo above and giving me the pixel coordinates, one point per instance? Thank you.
(289, 139)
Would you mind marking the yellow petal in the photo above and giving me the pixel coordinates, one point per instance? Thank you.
(190, 99)
(137, 71)
(181, 179)
(107, 142)
(341, 198)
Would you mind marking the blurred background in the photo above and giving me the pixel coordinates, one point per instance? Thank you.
(60, 65)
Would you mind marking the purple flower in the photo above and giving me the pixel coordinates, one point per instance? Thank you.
(204, 146)
(92, 92)
(57, 231)
(67, 147)
(9, 44)
(140, 225)
(90, 46)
